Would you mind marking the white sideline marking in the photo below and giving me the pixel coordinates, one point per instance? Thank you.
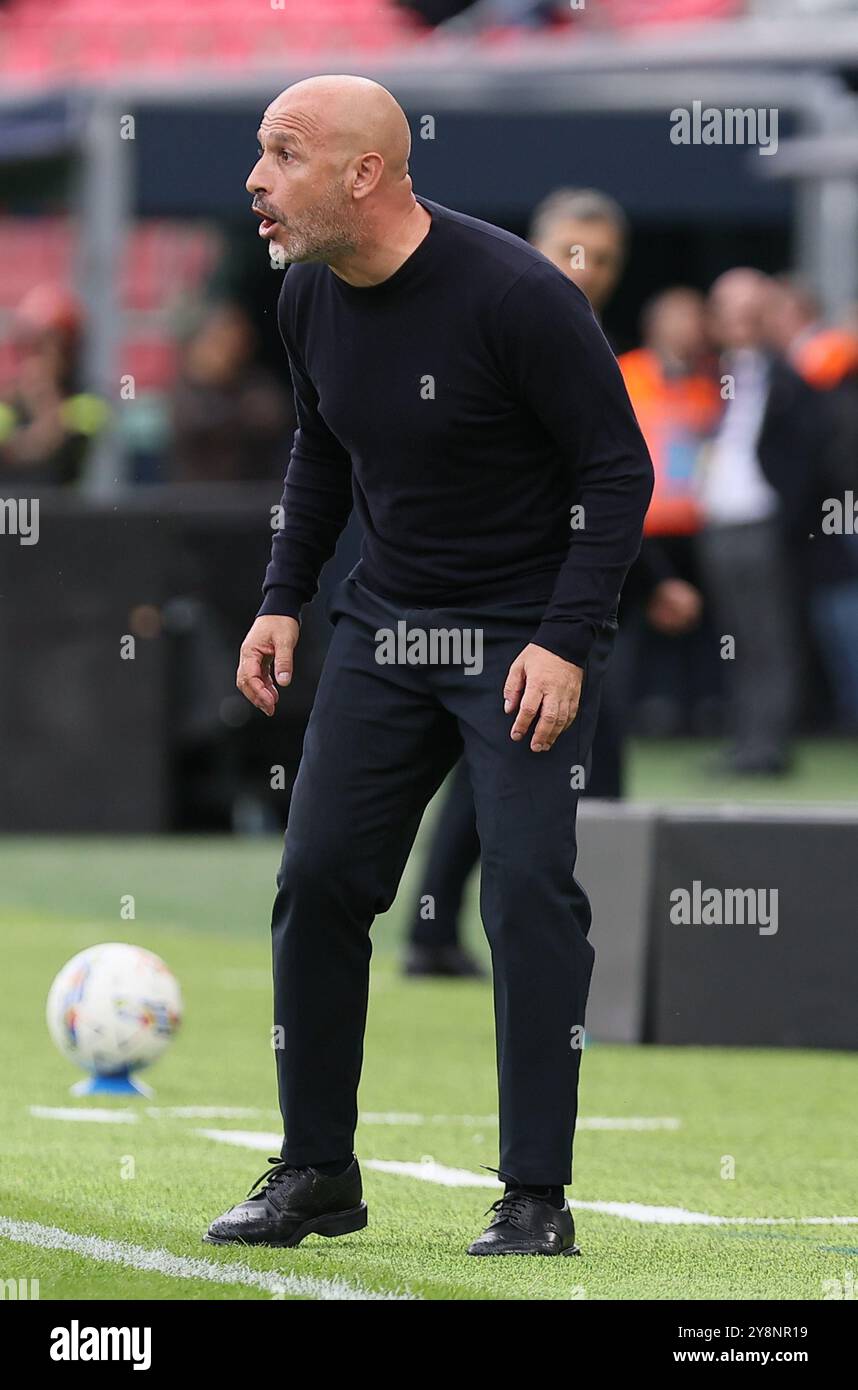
(92, 1113)
(246, 1138)
(404, 1117)
(427, 1171)
(619, 1122)
(408, 1117)
(164, 1262)
(206, 1112)
(372, 1117)
(678, 1216)
(430, 1171)
(636, 1122)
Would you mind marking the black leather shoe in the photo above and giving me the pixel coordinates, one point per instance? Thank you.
(294, 1203)
(527, 1225)
(442, 960)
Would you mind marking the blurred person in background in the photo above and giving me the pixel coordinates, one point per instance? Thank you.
(672, 387)
(232, 420)
(827, 359)
(463, 16)
(48, 425)
(756, 483)
(670, 379)
(585, 233)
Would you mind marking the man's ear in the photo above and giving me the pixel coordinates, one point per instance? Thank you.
(368, 171)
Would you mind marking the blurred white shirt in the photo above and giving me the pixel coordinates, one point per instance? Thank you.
(733, 489)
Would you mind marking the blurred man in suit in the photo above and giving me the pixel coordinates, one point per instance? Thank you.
(756, 487)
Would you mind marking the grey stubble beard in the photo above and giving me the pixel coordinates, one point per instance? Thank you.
(331, 233)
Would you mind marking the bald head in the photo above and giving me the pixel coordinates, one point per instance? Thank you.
(333, 165)
(738, 301)
(351, 114)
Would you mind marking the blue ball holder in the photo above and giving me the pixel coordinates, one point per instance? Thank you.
(119, 1084)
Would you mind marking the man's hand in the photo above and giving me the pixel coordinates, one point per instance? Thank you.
(674, 606)
(267, 649)
(541, 683)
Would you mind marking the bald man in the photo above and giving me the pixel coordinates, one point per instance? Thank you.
(454, 387)
(756, 494)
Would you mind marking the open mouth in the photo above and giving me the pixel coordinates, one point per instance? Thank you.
(266, 223)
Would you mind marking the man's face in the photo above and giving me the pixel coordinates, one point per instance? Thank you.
(590, 253)
(298, 185)
(737, 312)
(785, 317)
(678, 329)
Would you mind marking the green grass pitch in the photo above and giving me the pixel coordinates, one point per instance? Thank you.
(117, 1210)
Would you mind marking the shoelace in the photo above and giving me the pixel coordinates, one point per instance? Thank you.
(510, 1205)
(272, 1176)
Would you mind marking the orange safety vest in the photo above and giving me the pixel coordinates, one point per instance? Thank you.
(827, 358)
(676, 416)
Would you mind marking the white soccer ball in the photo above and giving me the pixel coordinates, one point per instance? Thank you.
(114, 1008)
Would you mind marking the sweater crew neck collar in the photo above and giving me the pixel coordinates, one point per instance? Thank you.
(404, 273)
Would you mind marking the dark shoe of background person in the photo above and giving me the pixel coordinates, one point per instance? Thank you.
(294, 1203)
(442, 960)
(748, 764)
(760, 765)
(524, 1224)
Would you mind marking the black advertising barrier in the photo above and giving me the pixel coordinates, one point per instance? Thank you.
(94, 726)
(83, 726)
(753, 937)
(615, 858)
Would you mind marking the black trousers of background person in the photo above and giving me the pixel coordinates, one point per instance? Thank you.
(746, 568)
(380, 740)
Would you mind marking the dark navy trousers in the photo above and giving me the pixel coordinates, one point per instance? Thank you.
(381, 739)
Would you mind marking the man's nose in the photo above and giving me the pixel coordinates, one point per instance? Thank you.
(255, 182)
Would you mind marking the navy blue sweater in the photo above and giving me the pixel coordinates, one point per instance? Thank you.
(471, 409)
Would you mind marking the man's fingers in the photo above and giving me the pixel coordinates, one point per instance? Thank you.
(553, 719)
(267, 680)
(283, 663)
(254, 689)
(266, 660)
(513, 686)
(552, 690)
(259, 695)
(528, 711)
(254, 680)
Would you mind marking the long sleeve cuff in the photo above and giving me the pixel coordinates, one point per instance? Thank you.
(281, 601)
(570, 640)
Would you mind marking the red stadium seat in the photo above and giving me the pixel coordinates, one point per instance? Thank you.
(96, 36)
(166, 264)
(639, 12)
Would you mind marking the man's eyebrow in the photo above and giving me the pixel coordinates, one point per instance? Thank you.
(281, 137)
